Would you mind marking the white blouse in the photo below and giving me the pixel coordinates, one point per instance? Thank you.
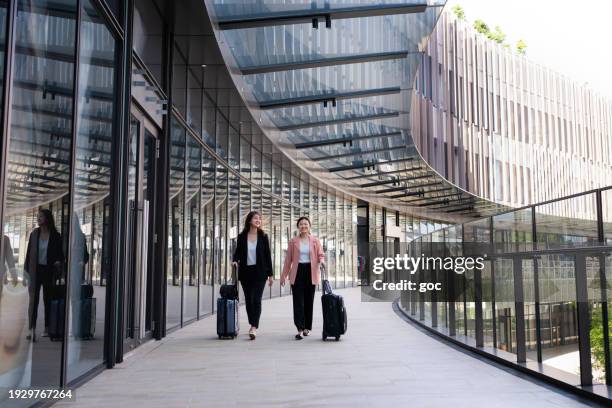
(251, 253)
(304, 252)
(43, 244)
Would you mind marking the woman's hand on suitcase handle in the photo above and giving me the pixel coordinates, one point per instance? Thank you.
(270, 280)
(235, 264)
(282, 282)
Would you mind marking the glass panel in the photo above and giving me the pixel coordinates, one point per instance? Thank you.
(176, 206)
(266, 170)
(487, 304)
(504, 305)
(267, 227)
(245, 158)
(286, 234)
(275, 242)
(179, 80)
(331, 240)
(558, 315)
(37, 178)
(222, 137)
(594, 267)
(206, 233)
(194, 93)
(149, 35)
(234, 149)
(567, 223)
(513, 231)
(90, 250)
(220, 229)
(531, 343)
(192, 221)
(277, 179)
(256, 166)
(209, 122)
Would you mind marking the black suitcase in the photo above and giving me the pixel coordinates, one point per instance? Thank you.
(227, 318)
(87, 291)
(56, 320)
(87, 319)
(334, 313)
(227, 310)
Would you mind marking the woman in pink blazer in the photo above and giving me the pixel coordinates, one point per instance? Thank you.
(304, 256)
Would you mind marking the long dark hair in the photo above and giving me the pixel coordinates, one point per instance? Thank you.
(50, 220)
(247, 223)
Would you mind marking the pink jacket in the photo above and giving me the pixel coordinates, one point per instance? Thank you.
(293, 255)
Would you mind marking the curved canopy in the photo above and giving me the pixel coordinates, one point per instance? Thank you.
(335, 81)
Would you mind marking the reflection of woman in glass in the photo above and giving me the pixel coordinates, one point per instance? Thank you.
(43, 261)
(302, 261)
(7, 263)
(254, 260)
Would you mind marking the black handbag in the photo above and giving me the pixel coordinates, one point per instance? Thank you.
(230, 291)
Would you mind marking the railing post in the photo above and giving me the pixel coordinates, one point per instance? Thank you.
(584, 335)
(519, 306)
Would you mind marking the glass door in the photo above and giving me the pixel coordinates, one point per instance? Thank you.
(138, 307)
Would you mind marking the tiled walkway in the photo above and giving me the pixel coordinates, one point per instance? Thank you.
(381, 362)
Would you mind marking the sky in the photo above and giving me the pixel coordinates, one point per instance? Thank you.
(573, 38)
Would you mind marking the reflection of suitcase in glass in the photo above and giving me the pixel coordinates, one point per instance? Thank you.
(56, 320)
(87, 321)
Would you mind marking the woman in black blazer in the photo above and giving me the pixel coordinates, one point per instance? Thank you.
(254, 262)
(44, 262)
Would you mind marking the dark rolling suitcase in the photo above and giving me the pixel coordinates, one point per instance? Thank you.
(227, 318)
(334, 313)
(227, 311)
(56, 320)
(87, 320)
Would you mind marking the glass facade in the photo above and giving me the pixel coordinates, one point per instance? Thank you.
(140, 197)
(543, 294)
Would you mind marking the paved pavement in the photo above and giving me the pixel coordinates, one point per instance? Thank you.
(381, 362)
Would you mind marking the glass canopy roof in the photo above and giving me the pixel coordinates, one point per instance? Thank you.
(334, 79)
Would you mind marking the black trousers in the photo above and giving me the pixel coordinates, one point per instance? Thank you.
(303, 297)
(253, 291)
(44, 279)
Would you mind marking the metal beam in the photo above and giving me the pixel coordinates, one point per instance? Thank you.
(436, 197)
(384, 173)
(469, 209)
(307, 125)
(369, 164)
(314, 15)
(325, 62)
(327, 97)
(401, 188)
(398, 180)
(357, 153)
(459, 202)
(342, 140)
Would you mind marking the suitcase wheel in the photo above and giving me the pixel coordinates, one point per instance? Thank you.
(324, 336)
(337, 338)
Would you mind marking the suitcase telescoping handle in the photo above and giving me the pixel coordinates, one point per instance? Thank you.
(325, 286)
(235, 268)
